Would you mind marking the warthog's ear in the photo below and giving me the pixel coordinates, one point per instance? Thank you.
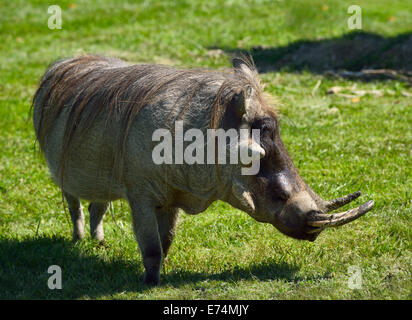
(242, 66)
(241, 102)
(238, 104)
(244, 196)
(235, 110)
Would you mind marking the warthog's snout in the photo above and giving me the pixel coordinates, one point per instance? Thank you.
(292, 220)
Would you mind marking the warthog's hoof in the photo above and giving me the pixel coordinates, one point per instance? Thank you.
(151, 279)
(78, 236)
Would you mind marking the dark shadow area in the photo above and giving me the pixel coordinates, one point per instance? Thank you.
(24, 265)
(353, 51)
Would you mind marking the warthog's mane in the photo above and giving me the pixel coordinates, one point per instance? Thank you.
(89, 86)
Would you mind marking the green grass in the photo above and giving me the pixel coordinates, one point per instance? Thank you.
(339, 146)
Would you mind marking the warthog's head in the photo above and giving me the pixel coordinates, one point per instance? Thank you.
(277, 194)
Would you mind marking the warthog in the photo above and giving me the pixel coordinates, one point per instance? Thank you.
(95, 117)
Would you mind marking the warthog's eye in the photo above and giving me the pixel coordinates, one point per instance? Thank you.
(266, 127)
(268, 131)
(267, 134)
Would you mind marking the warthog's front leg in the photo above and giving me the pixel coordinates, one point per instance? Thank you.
(166, 221)
(97, 211)
(147, 235)
(76, 213)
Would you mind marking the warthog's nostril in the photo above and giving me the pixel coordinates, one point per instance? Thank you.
(312, 230)
(312, 213)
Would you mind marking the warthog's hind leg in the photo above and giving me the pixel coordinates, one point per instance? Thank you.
(76, 214)
(97, 211)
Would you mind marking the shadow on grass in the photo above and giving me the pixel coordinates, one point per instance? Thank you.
(352, 51)
(24, 264)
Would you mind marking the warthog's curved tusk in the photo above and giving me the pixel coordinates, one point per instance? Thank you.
(338, 219)
(340, 202)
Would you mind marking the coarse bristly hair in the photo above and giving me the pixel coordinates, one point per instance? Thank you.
(91, 85)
